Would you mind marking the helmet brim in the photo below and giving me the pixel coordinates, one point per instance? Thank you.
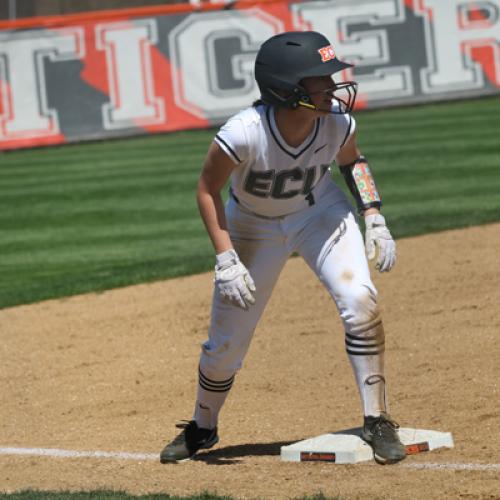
(327, 68)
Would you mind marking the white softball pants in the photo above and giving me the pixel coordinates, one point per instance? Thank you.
(327, 236)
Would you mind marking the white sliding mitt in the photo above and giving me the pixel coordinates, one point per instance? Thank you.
(232, 280)
(379, 243)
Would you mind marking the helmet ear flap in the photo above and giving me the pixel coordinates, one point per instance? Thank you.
(286, 98)
(273, 95)
(302, 97)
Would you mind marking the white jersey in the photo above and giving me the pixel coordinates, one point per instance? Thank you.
(272, 178)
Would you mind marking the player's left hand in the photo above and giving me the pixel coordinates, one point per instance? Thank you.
(379, 243)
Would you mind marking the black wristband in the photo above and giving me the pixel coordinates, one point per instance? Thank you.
(361, 184)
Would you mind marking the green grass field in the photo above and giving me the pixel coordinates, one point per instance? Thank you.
(105, 495)
(90, 217)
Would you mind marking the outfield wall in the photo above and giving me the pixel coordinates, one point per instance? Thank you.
(120, 73)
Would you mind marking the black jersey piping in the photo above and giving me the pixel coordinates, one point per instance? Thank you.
(293, 155)
(219, 138)
(347, 133)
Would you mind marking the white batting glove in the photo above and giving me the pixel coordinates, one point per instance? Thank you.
(379, 242)
(232, 280)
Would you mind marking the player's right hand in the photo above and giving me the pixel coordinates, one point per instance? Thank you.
(233, 281)
(379, 243)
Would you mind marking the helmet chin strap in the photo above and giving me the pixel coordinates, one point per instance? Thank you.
(306, 100)
(307, 105)
(312, 107)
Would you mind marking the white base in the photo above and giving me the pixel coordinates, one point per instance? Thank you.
(347, 447)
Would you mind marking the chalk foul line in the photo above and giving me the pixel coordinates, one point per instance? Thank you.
(57, 453)
(452, 466)
(120, 455)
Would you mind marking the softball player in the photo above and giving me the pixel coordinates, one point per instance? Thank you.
(277, 155)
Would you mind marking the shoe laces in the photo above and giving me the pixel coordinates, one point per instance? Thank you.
(383, 425)
(186, 425)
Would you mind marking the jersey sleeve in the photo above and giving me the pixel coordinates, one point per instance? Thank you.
(232, 139)
(346, 125)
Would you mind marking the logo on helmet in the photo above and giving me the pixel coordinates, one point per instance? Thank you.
(327, 53)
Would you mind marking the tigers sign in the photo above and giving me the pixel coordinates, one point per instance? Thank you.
(153, 70)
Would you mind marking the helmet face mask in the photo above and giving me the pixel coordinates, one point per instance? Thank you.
(285, 60)
(343, 96)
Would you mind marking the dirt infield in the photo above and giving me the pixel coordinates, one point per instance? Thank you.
(114, 372)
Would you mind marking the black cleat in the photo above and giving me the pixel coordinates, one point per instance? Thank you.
(381, 434)
(188, 442)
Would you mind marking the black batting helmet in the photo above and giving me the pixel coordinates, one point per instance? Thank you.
(285, 59)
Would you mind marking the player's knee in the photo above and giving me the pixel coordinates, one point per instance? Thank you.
(221, 360)
(360, 307)
(364, 330)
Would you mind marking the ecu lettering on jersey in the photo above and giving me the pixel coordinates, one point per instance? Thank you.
(274, 184)
(271, 178)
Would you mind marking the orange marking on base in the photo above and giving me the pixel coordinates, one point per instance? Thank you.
(315, 456)
(413, 449)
